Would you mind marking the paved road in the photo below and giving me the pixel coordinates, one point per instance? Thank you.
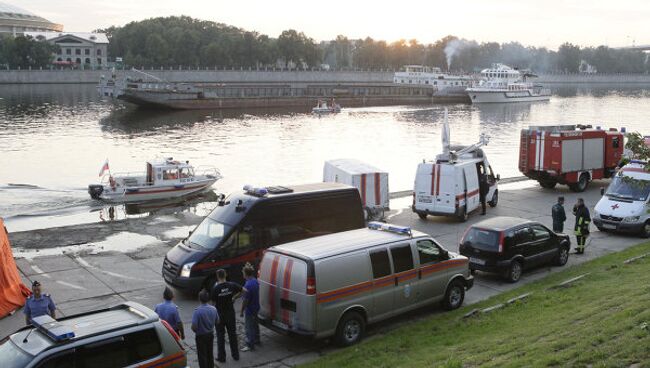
(80, 282)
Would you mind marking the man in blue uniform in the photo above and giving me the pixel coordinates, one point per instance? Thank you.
(203, 321)
(223, 295)
(251, 306)
(38, 304)
(558, 215)
(168, 312)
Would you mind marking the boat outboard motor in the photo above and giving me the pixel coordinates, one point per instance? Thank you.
(95, 190)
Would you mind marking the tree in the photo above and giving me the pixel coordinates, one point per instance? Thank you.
(26, 52)
(568, 58)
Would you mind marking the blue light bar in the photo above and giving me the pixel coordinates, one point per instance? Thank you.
(53, 329)
(259, 192)
(637, 162)
(404, 230)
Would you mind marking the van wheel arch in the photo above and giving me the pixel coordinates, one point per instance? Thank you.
(459, 284)
(351, 326)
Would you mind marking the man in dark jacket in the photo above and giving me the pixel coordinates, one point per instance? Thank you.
(559, 216)
(583, 219)
(483, 189)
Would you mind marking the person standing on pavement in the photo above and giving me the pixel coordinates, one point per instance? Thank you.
(483, 188)
(203, 321)
(559, 216)
(38, 304)
(224, 294)
(583, 219)
(251, 306)
(168, 312)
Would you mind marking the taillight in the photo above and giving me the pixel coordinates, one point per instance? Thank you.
(501, 240)
(311, 286)
(173, 333)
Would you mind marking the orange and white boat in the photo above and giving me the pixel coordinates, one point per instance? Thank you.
(162, 179)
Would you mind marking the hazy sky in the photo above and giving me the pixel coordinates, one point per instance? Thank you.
(539, 23)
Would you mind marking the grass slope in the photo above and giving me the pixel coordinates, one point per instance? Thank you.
(602, 320)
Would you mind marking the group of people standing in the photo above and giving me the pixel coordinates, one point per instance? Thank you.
(583, 219)
(217, 312)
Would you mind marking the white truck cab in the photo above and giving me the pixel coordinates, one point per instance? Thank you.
(624, 206)
(450, 185)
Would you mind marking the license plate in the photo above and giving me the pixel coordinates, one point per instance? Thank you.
(279, 324)
(609, 226)
(476, 261)
(425, 200)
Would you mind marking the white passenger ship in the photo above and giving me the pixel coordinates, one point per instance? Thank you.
(163, 179)
(502, 83)
(442, 83)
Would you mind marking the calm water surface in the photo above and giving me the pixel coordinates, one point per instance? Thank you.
(54, 139)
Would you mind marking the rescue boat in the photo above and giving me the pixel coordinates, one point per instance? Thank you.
(163, 179)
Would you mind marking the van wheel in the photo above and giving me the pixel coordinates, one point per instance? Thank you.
(454, 296)
(463, 215)
(350, 329)
(582, 183)
(422, 215)
(548, 184)
(645, 231)
(514, 272)
(495, 199)
(562, 256)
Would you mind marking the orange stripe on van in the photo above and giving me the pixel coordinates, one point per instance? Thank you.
(469, 194)
(286, 284)
(439, 168)
(272, 281)
(166, 361)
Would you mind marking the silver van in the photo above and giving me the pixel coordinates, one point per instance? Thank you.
(334, 285)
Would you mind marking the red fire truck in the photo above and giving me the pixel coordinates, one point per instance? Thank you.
(569, 154)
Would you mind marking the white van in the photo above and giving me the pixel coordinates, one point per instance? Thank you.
(624, 206)
(450, 187)
(334, 285)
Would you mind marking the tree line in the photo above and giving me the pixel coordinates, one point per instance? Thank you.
(185, 41)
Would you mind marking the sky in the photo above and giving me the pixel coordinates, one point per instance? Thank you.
(547, 23)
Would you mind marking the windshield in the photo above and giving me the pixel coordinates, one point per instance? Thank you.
(208, 234)
(13, 356)
(628, 188)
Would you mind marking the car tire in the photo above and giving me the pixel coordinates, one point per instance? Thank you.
(495, 199)
(562, 256)
(454, 295)
(547, 184)
(422, 215)
(350, 329)
(463, 215)
(582, 184)
(514, 272)
(645, 231)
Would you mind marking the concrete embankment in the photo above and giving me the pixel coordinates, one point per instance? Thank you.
(292, 77)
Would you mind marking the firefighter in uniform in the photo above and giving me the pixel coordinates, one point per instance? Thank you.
(38, 304)
(582, 224)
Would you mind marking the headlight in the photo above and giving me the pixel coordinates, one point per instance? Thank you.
(631, 219)
(187, 268)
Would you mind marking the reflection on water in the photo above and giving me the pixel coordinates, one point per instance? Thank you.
(55, 138)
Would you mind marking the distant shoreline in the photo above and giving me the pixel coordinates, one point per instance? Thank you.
(284, 77)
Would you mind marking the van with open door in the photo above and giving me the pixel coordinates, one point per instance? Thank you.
(247, 222)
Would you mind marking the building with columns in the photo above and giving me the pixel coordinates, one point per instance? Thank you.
(80, 48)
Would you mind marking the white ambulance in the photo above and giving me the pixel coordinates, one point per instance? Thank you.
(624, 206)
(449, 186)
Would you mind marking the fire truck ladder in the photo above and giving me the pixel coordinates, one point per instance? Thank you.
(524, 144)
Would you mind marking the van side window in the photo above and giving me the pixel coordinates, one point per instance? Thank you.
(380, 263)
(402, 257)
(121, 351)
(540, 232)
(428, 251)
(63, 359)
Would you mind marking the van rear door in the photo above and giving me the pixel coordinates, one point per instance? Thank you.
(435, 188)
(283, 293)
(471, 187)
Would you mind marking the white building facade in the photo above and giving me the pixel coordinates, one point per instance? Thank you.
(87, 50)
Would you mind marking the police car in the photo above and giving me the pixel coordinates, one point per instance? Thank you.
(127, 335)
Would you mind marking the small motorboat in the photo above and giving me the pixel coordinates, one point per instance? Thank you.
(323, 108)
(163, 179)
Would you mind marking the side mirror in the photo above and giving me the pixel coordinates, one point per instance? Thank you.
(190, 233)
(498, 177)
(445, 254)
(602, 191)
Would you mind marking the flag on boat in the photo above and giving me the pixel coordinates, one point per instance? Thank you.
(104, 168)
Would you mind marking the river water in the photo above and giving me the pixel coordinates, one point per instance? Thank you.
(55, 138)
